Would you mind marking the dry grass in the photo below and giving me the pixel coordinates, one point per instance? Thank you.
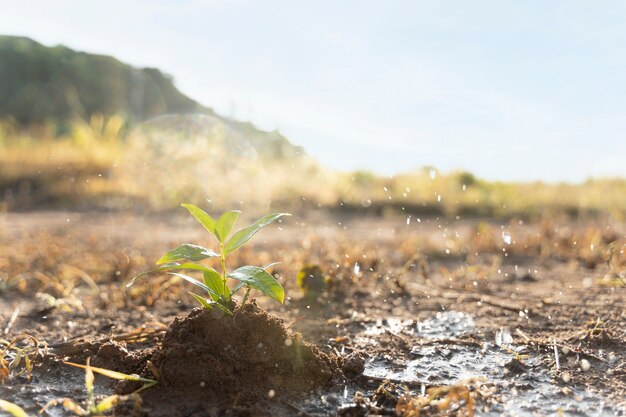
(100, 165)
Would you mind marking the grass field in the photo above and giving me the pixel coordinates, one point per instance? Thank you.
(100, 165)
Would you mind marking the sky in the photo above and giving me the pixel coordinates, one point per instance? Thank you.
(509, 90)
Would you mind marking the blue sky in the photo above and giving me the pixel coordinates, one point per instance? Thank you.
(510, 90)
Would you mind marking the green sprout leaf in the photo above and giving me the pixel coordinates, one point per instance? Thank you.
(242, 284)
(214, 283)
(213, 280)
(13, 409)
(209, 304)
(225, 224)
(189, 252)
(259, 279)
(245, 234)
(170, 266)
(200, 215)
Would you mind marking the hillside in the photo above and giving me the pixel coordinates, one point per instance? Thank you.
(40, 84)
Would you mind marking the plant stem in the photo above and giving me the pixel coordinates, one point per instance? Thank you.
(223, 259)
(245, 297)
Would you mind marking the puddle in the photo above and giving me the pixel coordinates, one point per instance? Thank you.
(527, 388)
(446, 324)
(440, 365)
(392, 325)
(443, 324)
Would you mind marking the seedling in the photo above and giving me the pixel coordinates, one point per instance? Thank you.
(94, 407)
(15, 360)
(214, 283)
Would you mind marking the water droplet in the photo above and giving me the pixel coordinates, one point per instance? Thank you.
(357, 268)
(506, 237)
(585, 365)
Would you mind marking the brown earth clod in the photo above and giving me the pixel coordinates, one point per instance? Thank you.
(239, 359)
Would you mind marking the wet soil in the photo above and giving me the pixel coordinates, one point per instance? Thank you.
(439, 316)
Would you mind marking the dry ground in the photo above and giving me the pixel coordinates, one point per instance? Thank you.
(450, 316)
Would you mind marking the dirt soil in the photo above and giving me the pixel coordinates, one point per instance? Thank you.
(209, 360)
(415, 317)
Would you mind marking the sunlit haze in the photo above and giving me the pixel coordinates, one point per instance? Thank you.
(520, 90)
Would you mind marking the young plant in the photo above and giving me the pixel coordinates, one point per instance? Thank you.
(15, 360)
(214, 283)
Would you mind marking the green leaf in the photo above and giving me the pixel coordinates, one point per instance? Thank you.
(208, 304)
(261, 280)
(242, 284)
(172, 265)
(189, 252)
(243, 235)
(200, 215)
(213, 280)
(196, 283)
(225, 224)
(13, 409)
(203, 301)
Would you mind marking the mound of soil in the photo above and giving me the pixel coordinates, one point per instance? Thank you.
(221, 360)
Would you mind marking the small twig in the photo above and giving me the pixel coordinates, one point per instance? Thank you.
(523, 335)
(398, 336)
(547, 344)
(380, 379)
(556, 355)
(450, 341)
(84, 343)
(460, 297)
(16, 313)
(297, 319)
